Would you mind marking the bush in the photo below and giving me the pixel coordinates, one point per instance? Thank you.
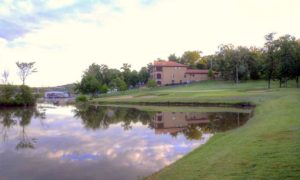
(24, 96)
(81, 98)
(7, 92)
(103, 88)
(16, 96)
(119, 84)
(151, 83)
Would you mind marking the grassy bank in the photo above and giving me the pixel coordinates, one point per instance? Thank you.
(267, 147)
(208, 92)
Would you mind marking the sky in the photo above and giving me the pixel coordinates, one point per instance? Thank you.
(64, 37)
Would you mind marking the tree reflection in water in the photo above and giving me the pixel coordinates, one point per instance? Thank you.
(11, 117)
(6, 123)
(101, 117)
(191, 124)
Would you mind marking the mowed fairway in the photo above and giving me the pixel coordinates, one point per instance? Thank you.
(203, 92)
(267, 147)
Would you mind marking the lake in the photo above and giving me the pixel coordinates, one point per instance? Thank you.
(104, 142)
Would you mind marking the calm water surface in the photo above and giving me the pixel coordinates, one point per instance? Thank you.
(67, 142)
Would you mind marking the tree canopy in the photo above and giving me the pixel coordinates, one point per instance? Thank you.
(100, 79)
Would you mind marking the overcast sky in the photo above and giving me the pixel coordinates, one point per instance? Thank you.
(64, 37)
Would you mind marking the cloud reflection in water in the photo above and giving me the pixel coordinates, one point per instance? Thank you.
(109, 142)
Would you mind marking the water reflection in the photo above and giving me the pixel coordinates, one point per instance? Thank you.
(191, 124)
(22, 117)
(95, 117)
(67, 142)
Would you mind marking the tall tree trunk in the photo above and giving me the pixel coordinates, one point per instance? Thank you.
(286, 80)
(270, 78)
(297, 81)
(280, 82)
(236, 74)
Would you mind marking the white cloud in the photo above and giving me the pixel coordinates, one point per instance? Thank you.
(25, 6)
(4, 11)
(139, 34)
(3, 43)
(55, 4)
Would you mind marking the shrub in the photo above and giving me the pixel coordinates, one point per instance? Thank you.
(151, 83)
(119, 84)
(81, 98)
(16, 96)
(24, 96)
(103, 88)
(7, 92)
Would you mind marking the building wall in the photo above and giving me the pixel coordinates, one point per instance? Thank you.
(170, 75)
(175, 75)
(196, 77)
(170, 119)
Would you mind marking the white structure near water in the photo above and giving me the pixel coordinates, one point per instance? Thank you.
(57, 94)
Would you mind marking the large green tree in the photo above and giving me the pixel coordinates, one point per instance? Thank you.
(94, 70)
(225, 56)
(144, 75)
(191, 58)
(126, 70)
(286, 55)
(89, 85)
(270, 64)
(174, 58)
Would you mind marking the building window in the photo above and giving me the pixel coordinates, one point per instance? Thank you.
(158, 76)
(159, 82)
(159, 118)
(180, 81)
(159, 68)
(173, 81)
(185, 76)
(173, 75)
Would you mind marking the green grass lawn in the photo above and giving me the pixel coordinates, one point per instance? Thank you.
(203, 92)
(267, 147)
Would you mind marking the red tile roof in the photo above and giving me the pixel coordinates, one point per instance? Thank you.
(168, 64)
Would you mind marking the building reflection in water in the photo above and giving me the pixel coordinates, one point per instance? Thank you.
(191, 124)
(208, 122)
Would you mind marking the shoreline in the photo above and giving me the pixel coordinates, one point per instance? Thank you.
(192, 104)
(266, 146)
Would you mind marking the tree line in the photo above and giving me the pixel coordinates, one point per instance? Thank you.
(100, 79)
(278, 59)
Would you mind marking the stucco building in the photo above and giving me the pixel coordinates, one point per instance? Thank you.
(169, 72)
